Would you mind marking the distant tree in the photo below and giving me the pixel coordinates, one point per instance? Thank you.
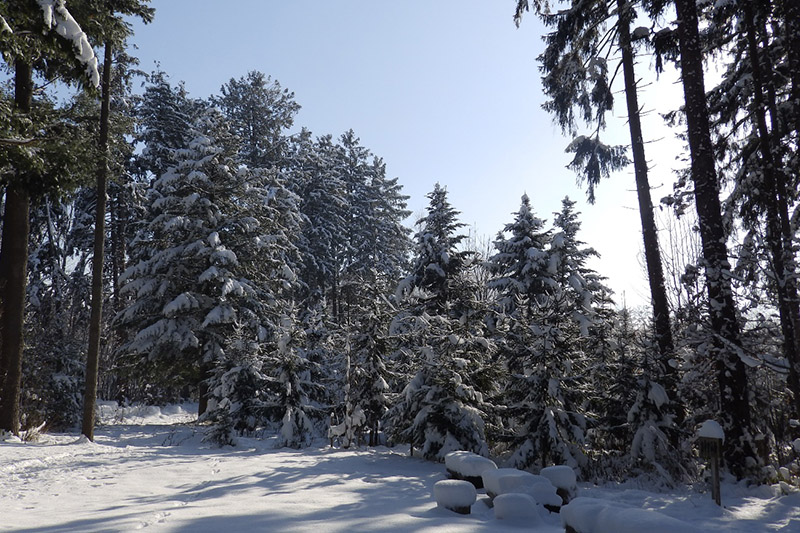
(260, 111)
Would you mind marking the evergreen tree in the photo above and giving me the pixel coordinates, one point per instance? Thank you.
(45, 38)
(259, 111)
(443, 408)
(205, 263)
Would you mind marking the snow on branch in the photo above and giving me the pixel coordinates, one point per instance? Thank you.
(57, 16)
(4, 27)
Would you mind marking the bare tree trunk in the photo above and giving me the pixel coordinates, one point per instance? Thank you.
(95, 324)
(775, 190)
(14, 270)
(731, 376)
(652, 251)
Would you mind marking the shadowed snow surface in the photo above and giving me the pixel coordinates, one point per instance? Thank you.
(149, 469)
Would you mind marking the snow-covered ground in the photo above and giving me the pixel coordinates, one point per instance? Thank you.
(149, 469)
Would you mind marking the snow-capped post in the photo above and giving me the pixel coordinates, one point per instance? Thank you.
(710, 437)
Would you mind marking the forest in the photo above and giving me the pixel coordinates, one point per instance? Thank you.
(159, 248)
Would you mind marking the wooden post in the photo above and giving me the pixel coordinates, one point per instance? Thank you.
(711, 449)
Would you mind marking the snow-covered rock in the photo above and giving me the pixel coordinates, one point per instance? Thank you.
(592, 515)
(516, 506)
(455, 494)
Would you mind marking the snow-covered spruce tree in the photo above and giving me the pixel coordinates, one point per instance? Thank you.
(165, 117)
(260, 111)
(324, 204)
(367, 394)
(295, 395)
(442, 408)
(377, 242)
(198, 266)
(547, 296)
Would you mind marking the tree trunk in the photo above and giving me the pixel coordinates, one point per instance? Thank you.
(95, 324)
(774, 189)
(731, 376)
(652, 252)
(791, 13)
(14, 270)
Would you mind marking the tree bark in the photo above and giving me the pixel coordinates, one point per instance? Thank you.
(652, 252)
(95, 324)
(776, 205)
(14, 270)
(731, 376)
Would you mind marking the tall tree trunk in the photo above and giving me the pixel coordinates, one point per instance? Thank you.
(95, 324)
(774, 190)
(731, 376)
(652, 252)
(14, 270)
(791, 14)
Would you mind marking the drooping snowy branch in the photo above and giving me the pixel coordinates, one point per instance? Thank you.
(57, 16)
(4, 27)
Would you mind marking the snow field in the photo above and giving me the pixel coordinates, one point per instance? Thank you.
(150, 470)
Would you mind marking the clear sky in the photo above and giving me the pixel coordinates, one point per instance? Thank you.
(442, 90)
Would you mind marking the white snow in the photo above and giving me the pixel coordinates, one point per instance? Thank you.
(657, 394)
(468, 464)
(454, 493)
(561, 476)
(150, 469)
(505, 480)
(590, 515)
(712, 430)
(57, 16)
(514, 506)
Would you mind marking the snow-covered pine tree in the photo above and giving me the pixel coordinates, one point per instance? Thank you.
(443, 407)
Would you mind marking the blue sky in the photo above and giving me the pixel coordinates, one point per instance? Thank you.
(442, 90)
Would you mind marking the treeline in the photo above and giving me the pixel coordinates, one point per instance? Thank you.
(267, 272)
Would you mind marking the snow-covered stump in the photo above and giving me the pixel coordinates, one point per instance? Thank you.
(563, 479)
(455, 494)
(592, 515)
(468, 466)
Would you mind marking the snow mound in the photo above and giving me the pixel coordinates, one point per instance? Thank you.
(561, 476)
(455, 494)
(468, 464)
(110, 412)
(508, 480)
(515, 506)
(591, 515)
(711, 429)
